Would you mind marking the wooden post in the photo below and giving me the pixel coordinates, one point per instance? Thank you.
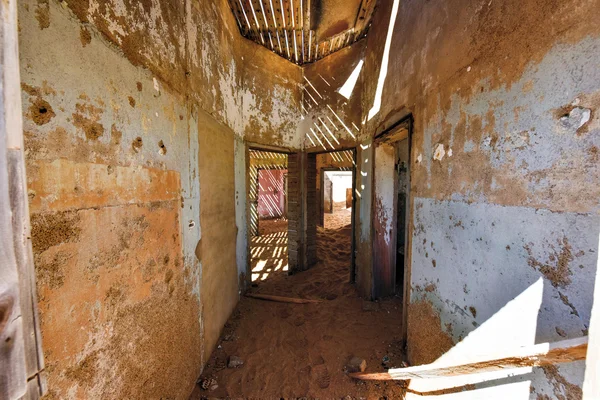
(281, 299)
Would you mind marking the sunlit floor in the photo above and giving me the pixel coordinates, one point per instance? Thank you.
(269, 255)
(300, 350)
(340, 217)
(269, 250)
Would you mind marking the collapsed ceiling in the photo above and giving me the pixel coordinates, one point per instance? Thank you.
(303, 31)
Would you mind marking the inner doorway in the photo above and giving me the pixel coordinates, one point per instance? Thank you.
(335, 197)
(391, 255)
(268, 201)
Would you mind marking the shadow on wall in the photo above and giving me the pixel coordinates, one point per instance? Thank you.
(500, 287)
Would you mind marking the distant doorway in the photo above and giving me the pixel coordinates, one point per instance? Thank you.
(335, 207)
(336, 198)
(268, 225)
(272, 198)
(391, 239)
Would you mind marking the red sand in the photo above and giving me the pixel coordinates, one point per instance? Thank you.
(300, 350)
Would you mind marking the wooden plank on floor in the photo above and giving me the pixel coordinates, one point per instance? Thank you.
(282, 299)
(529, 356)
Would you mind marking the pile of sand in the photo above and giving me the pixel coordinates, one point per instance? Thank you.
(300, 350)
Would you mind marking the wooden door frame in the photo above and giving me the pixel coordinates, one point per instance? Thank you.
(322, 183)
(258, 147)
(387, 135)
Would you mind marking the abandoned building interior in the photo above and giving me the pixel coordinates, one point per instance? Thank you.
(300, 199)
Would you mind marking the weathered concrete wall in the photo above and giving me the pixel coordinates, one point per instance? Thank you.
(196, 49)
(217, 248)
(114, 199)
(506, 135)
(114, 184)
(363, 218)
(270, 97)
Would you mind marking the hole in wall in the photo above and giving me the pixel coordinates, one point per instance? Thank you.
(191, 224)
(137, 144)
(41, 112)
(162, 148)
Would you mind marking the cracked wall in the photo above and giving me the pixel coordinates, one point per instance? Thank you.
(504, 154)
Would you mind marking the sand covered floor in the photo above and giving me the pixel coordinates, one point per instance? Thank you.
(269, 250)
(297, 351)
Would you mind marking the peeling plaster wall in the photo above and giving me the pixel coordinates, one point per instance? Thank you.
(115, 155)
(505, 100)
(363, 218)
(330, 17)
(195, 49)
(271, 98)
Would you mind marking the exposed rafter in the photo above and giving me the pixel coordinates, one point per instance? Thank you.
(283, 26)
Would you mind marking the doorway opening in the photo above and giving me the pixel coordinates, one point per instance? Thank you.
(268, 202)
(335, 230)
(391, 236)
(336, 197)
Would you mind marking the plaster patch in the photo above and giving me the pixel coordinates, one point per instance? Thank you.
(439, 152)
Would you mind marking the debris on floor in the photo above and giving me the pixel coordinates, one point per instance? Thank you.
(234, 362)
(208, 384)
(356, 364)
(302, 351)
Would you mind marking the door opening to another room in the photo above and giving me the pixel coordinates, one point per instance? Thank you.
(402, 177)
(391, 212)
(336, 198)
(335, 194)
(268, 214)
